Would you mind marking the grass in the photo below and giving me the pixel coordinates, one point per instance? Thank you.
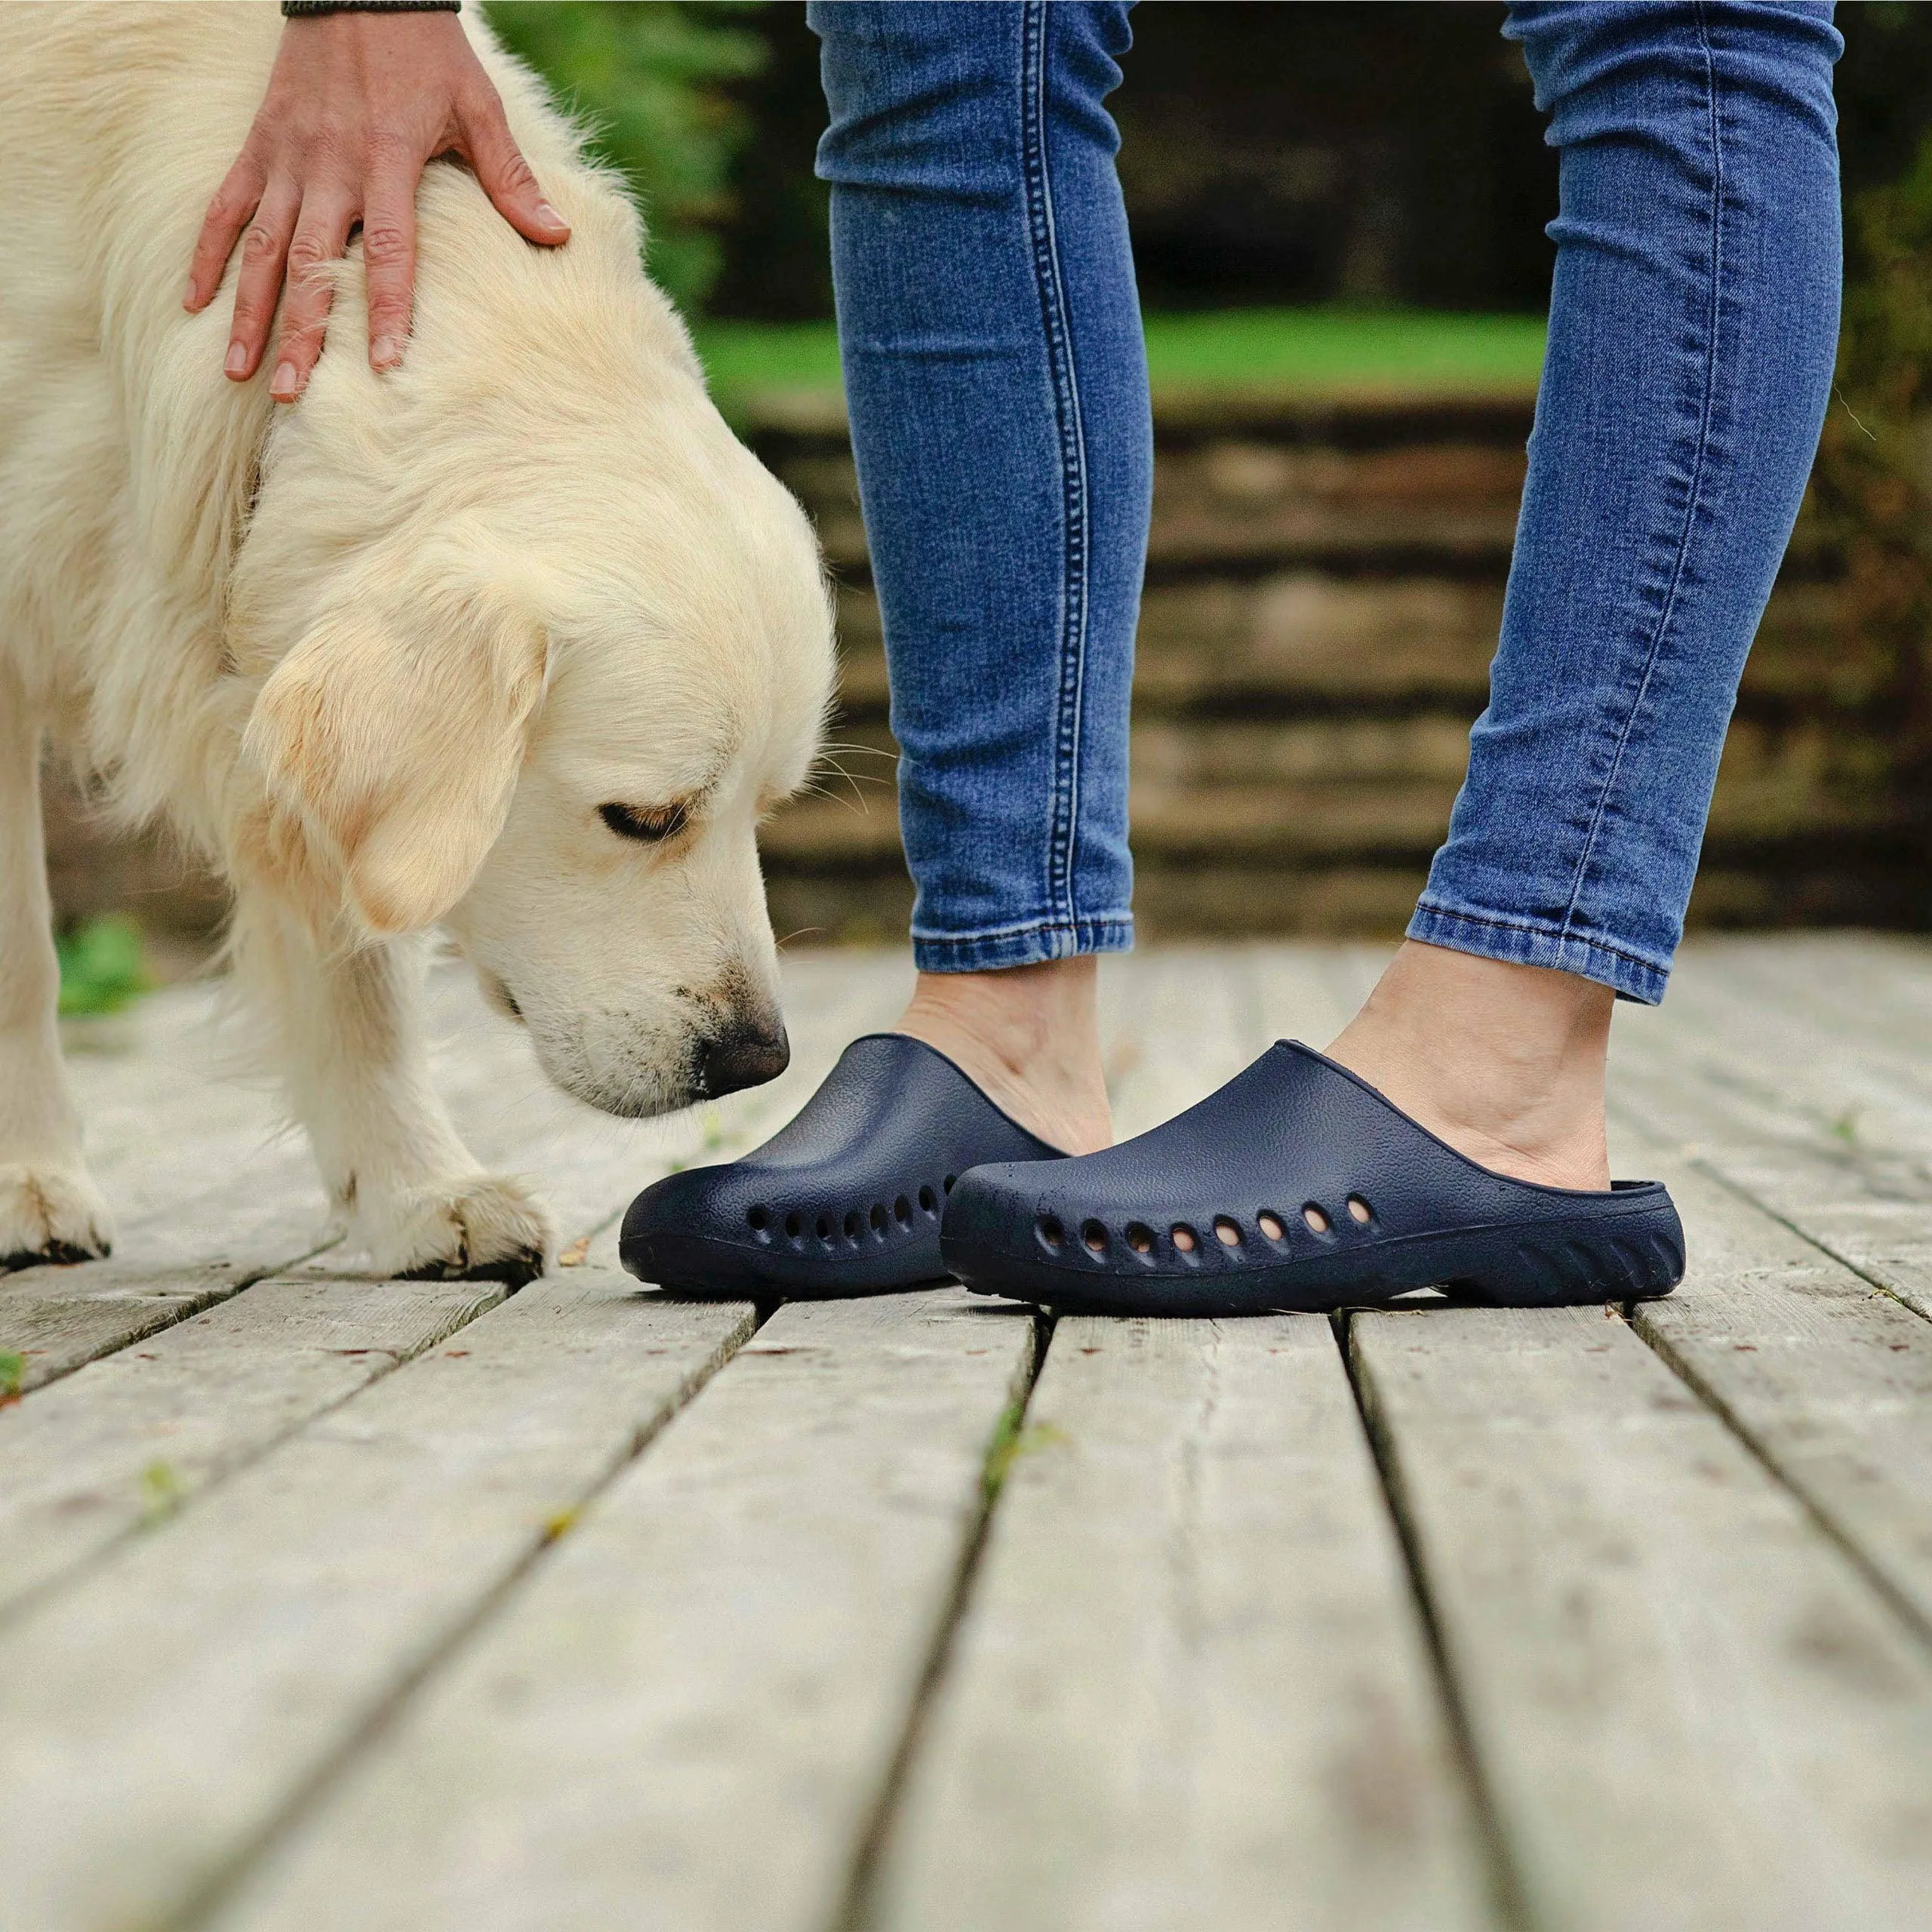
(162, 1492)
(1012, 1440)
(1304, 351)
(101, 967)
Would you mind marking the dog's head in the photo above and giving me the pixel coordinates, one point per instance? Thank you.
(548, 708)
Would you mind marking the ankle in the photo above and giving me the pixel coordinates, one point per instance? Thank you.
(1505, 1063)
(1030, 1038)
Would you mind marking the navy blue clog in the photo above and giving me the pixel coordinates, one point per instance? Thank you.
(1297, 1185)
(845, 1200)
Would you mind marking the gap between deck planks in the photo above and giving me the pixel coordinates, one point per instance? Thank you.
(159, 1716)
(1827, 1380)
(1189, 1687)
(130, 1439)
(132, 1436)
(1693, 1712)
(687, 1711)
(1692, 1708)
(123, 1411)
(749, 1612)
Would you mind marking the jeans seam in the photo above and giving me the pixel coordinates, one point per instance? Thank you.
(1698, 467)
(1436, 910)
(1021, 929)
(1063, 829)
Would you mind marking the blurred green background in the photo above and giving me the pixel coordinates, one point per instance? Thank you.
(1335, 192)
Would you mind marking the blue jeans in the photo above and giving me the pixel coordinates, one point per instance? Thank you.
(990, 333)
(996, 381)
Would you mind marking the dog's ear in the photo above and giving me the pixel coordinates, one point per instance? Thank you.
(386, 745)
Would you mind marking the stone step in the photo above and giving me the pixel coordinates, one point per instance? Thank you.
(1302, 639)
(1325, 591)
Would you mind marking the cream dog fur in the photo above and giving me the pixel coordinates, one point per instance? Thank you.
(517, 639)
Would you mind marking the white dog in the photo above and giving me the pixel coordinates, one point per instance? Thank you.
(517, 639)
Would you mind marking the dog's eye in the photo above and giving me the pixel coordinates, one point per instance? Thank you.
(649, 827)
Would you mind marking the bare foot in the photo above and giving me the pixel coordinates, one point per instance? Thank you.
(1505, 1063)
(1030, 1039)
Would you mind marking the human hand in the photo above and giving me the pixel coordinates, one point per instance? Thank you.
(358, 103)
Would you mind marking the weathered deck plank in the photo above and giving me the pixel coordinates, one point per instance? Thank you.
(159, 1715)
(130, 1439)
(1189, 1686)
(1692, 1712)
(1679, 1573)
(1175, 1025)
(1807, 1111)
(1190, 1690)
(1828, 1381)
(691, 1711)
(605, 1364)
(1305, 993)
(58, 1319)
(199, 1240)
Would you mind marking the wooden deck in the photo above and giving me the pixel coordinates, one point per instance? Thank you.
(330, 1605)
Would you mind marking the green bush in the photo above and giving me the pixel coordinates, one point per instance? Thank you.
(101, 967)
(650, 79)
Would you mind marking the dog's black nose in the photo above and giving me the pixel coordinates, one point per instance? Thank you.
(742, 1056)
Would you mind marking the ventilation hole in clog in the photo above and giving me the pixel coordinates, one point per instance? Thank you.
(1140, 1237)
(901, 1212)
(1095, 1236)
(878, 1217)
(1270, 1225)
(794, 1226)
(759, 1219)
(825, 1227)
(852, 1225)
(928, 1200)
(949, 1180)
(1184, 1238)
(1316, 1218)
(1360, 1211)
(1049, 1231)
(1227, 1232)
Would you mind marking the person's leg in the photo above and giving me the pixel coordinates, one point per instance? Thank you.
(1692, 338)
(997, 385)
(1693, 322)
(998, 390)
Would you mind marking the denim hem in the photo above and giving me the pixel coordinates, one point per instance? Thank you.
(1521, 942)
(1021, 946)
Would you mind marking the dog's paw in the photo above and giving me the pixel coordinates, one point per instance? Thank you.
(49, 1212)
(484, 1228)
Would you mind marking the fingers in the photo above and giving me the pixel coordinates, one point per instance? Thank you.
(487, 144)
(264, 249)
(235, 201)
(321, 234)
(389, 250)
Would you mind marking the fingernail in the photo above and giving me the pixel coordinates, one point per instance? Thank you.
(188, 297)
(283, 384)
(238, 358)
(388, 353)
(545, 212)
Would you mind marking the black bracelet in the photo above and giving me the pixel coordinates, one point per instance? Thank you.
(296, 10)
